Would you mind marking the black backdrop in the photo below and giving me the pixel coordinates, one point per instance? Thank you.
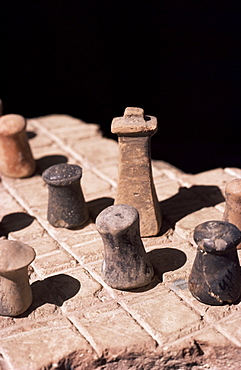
(179, 60)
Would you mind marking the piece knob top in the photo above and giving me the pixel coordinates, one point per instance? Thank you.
(233, 188)
(217, 236)
(62, 174)
(15, 255)
(11, 124)
(117, 218)
(134, 122)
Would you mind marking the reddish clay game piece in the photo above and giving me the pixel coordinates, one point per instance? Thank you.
(16, 158)
(232, 211)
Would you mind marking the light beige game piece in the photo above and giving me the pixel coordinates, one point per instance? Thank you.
(135, 181)
(15, 291)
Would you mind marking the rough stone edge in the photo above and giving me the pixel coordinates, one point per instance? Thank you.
(194, 355)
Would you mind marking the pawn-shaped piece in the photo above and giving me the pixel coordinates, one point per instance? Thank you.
(125, 264)
(232, 212)
(16, 158)
(66, 205)
(215, 277)
(15, 290)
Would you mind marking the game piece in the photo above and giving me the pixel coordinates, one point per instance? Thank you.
(232, 212)
(66, 205)
(135, 181)
(125, 264)
(215, 277)
(15, 291)
(16, 158)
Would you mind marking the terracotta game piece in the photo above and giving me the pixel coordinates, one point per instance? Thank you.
(215, 277)
(135, 180)
(66, 205)
(16, 158)
(15, 291)
(232, 211)
(125, 264)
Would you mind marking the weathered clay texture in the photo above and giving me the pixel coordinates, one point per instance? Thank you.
(215, 277)
(125, 264)
(99, 319)
(16, 158)
(15, 291)
(232, 212)
(135, 180)
(66, 206)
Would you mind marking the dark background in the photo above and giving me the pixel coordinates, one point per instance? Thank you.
(179, 60)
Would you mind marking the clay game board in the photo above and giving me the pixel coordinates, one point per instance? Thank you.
(74, 311)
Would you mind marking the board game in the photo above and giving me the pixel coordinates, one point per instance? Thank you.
(73, 309)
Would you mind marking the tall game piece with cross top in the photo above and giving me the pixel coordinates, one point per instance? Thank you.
(135, 180)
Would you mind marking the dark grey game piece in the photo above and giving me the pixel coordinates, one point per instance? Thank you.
(66, 206)
(125, 264)
(215, 277)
